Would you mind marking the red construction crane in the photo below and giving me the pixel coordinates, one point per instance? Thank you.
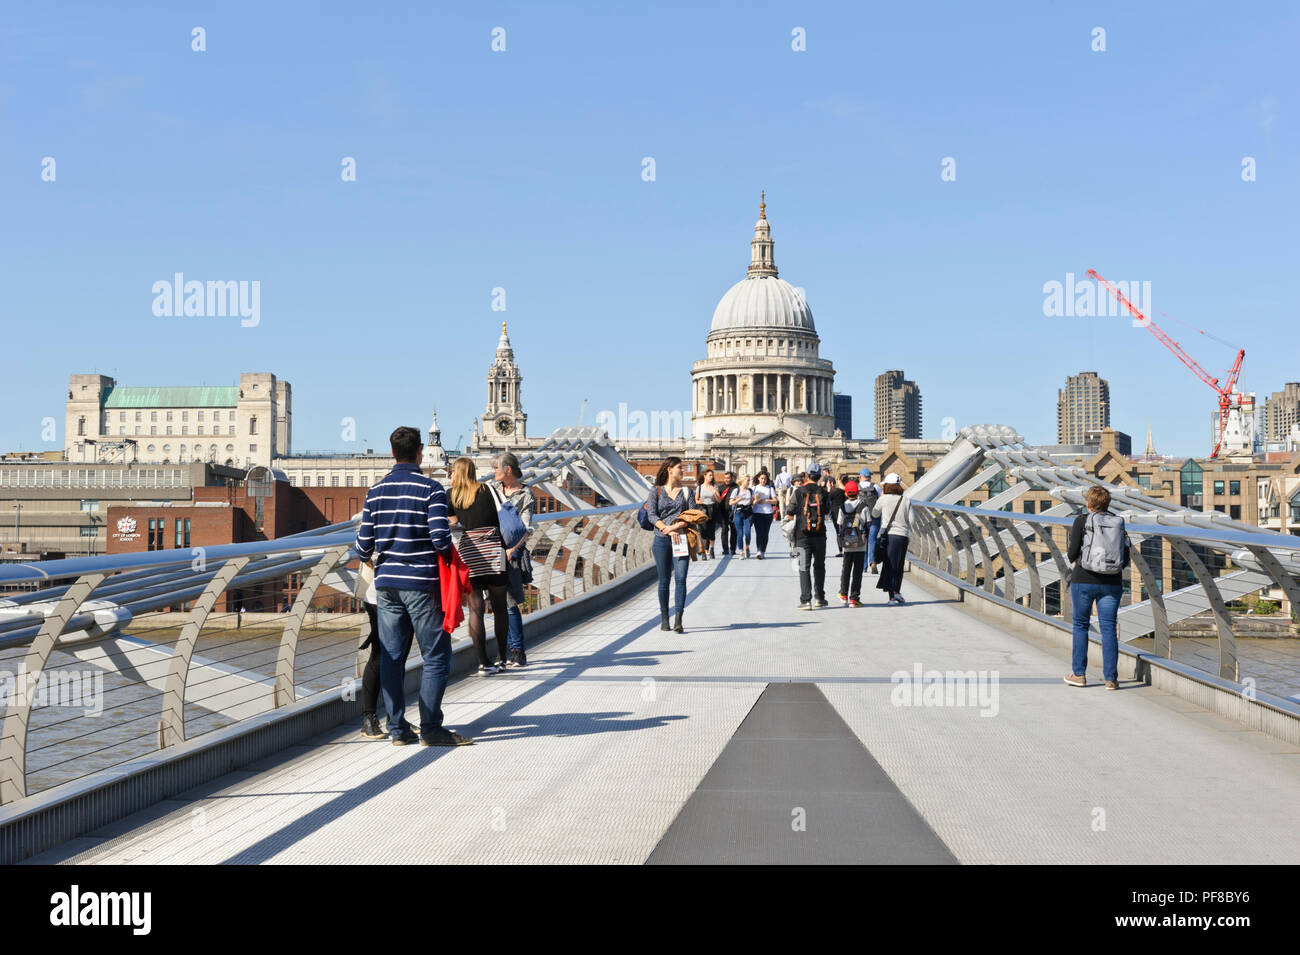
(1227, 393)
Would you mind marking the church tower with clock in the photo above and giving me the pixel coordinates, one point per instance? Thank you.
(505, 425)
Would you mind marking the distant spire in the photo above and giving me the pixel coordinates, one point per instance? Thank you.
(435, 458)
(1151, 445)
(762, 260)
(505, 353)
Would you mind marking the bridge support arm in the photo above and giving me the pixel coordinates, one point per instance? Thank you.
(13, 736)
(171, 728)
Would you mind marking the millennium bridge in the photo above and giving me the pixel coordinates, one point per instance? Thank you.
(935, 732)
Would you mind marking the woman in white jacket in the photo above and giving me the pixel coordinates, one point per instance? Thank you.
(895, 513)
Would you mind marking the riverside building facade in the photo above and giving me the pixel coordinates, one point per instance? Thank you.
(242, 425)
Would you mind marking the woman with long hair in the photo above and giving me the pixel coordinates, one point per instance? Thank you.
(765, 509)
(507, 477)
(708, 502)
(668, 499)
(895, 513)
(471, 507)
(742, 513)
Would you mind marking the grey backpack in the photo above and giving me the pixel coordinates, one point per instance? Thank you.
(1104, 543)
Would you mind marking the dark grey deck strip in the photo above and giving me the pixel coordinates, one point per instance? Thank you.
(794, 757)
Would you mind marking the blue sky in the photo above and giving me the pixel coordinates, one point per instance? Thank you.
(522, 169)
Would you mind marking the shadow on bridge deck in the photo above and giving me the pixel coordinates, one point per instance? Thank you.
(591, 753)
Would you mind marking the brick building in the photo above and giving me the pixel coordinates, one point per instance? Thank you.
(232, 515)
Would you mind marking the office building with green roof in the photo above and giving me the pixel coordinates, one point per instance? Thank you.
(241, 425)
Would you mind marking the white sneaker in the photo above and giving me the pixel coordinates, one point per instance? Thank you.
(487, 670)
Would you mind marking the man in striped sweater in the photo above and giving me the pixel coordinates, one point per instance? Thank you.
(403, 529)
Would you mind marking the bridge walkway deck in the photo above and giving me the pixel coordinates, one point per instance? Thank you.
(591, 753)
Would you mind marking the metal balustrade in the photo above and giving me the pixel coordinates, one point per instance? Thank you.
(99, 667)
(1002, 554)
(1184, 563)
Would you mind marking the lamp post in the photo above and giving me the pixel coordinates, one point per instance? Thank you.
(91, 519)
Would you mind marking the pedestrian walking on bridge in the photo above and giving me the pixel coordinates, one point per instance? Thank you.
(895, 511)
(669, 498)
(742, 514)
(708, 502)
(726, 529)
(853, 535)
(783, 483)
(864, 480)
(810, 505)
(765, 510)
(1099, 550)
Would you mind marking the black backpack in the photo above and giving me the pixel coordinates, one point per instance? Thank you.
(813, 516)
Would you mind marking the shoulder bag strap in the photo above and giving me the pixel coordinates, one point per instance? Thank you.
(892, 515)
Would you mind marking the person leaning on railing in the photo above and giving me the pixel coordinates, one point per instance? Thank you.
(668, 499)
(1098, 541)
(506, 472)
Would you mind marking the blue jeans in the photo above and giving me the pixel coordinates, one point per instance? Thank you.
(1107, 597)
(403, 613)
(516, 639)
(743, 524)
(872, 534)
(762, 527)
(670, 566)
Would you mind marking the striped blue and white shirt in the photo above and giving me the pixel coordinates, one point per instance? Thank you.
(404, 525)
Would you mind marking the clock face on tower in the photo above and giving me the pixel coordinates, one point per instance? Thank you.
(505, 426)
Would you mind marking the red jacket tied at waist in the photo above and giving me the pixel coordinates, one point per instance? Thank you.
(453, 582)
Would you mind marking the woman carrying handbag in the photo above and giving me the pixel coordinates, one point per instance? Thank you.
(707, 501)
(896, 510)
(742, 514)
(472, 509)
(508, 486)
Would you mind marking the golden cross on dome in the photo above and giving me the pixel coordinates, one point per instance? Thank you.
(762, 204)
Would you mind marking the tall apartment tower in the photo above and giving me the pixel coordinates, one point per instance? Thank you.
(898, 405)
(1282, 412)
(1083, 406)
